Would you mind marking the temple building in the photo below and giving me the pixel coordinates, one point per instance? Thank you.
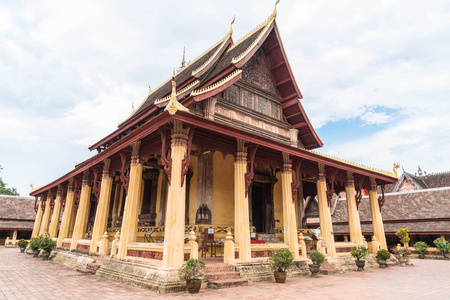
(419, 202)
(217, 157)
(16, 219)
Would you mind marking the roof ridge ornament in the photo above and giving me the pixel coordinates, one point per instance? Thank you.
(230, 33)
(274, 14)
(174, 105)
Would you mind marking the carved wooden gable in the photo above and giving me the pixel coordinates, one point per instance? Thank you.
(256, 72)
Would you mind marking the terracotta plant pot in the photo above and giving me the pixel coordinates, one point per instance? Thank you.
(36, 253)
(360, 264)
(280, 277)
(382, 263)
(314, 270)
(193, 286)
(22, 250)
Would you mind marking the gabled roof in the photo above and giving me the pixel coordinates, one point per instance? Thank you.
(429, 181)
(210, 69)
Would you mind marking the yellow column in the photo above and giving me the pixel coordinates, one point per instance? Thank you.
(38, 220)
(55, 215)
(83, 209)
(241, 212)
(173, 256)
(14, 239)
(46, 218)
(131, 212)
(377, 220)
(68, 211)
(354, 224)
(289, 220)
(101, 216)
(326, 226)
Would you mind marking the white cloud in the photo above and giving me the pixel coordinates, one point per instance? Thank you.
(70, 71)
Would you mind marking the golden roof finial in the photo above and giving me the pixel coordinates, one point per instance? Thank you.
(132, 107)
(32, 187)
(183, 61)
(231, 26)
(149, 89)
(396, 166)
(173, 106)
(274, 14)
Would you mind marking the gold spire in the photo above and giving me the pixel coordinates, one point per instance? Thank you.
(132, 107)
(149, 89)
(183, 62)
(231, 26)
(173, 106)
(396, 166)
(274, 14)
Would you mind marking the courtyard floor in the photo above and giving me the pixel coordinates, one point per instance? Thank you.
(25, 277)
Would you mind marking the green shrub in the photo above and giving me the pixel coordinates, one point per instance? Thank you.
(442, 245)
(317, 257)
(22, 243)
(193, 269)
(359, 252)
(383, 254)
(47, 244)
(421, 247)
(281, 259)
(35, 243)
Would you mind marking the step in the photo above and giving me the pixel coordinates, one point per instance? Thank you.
(327, 269)
(218, 268)
(222, 275)
(86, 271)
(93, 266)
(225, 283)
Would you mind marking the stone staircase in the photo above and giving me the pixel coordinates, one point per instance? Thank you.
(328, 268)
(269, 238)
(91, 268)
(221, 276)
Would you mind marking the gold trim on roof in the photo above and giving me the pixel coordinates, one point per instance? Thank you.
(173, 106)
(390, 174)
(217, 84)
(183, 90)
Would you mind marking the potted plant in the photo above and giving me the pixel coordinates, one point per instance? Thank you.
(421, 248)
(403, 235)
(280, 260)
(35, 245)
(360, 253)
(22, 245)
(47, 244)
(401, 254)
(443, 246)
(382, 256)
(317, 259)
(192, 272)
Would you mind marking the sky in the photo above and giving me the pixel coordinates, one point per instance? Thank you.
(375, 75)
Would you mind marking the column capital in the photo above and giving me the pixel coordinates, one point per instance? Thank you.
(59, 191)
(85, 180)
(135, 146)
(180, 134)
(106, 165)
(321, 172)
(350, 179)
(287, 163)
(373, 184)
(70, 185)
(241, 154)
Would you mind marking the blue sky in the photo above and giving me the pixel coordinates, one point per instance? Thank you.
(374, 74)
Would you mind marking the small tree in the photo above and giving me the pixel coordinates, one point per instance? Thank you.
(421, 247)
(6, 191)
(403, 235)
(194, 269)
(280, 260)
(442, 245)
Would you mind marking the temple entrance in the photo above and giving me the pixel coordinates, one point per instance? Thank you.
(261, 209)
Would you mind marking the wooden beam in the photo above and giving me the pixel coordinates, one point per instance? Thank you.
(289, 103)
(294, 115)
(293, 95)
(282, 63)
(304, 135)
(271, 48)
(283, 81)
(299, 125)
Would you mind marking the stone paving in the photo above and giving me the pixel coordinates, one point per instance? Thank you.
(25, 277)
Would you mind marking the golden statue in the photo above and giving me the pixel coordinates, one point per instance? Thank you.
(396, 166)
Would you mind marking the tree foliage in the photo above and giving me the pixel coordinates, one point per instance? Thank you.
(4, 190)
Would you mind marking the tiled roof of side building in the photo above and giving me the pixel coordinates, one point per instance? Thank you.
(436, 180)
